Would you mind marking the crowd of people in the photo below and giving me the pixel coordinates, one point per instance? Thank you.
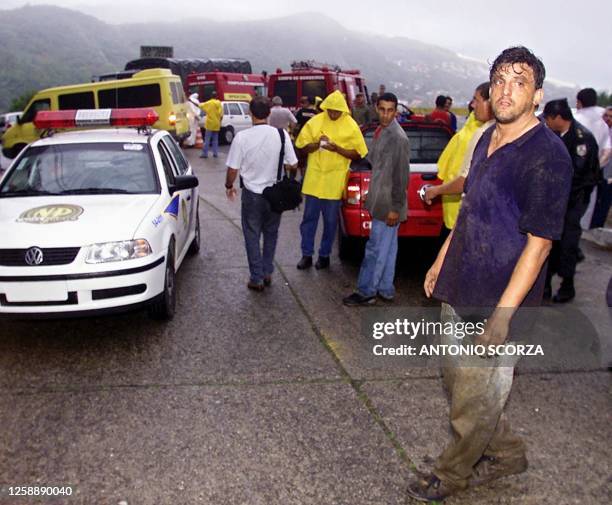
(515, 187)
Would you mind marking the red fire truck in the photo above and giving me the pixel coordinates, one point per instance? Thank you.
(309, 78)
(229, 86)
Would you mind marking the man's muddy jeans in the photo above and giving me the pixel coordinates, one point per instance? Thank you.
(478, 396)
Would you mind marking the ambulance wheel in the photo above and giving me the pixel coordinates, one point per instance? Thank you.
(228, 135)
(164, 307)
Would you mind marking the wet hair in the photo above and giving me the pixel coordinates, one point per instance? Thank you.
(440, 101)
(387, 97)
(483, 90)
(558, 108)
(520, 55)
(260, 107)
(587, 97)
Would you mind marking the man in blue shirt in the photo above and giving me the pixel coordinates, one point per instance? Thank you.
(493, 262)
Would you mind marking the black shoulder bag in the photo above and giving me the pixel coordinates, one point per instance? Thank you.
(286, 193)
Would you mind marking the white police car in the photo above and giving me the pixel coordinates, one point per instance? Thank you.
(96, 220)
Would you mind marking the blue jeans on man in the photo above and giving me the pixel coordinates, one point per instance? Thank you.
(330, 209)
(208, 137)
(257, 220)
(378, 266)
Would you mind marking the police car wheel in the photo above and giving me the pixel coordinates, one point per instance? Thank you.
(194, 247)
(165, 306)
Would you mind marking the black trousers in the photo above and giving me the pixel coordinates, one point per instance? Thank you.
(564, 253)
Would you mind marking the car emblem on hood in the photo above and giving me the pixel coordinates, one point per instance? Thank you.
(34, 256)
(49, 214)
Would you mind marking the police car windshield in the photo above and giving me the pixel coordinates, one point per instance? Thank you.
(103, 168)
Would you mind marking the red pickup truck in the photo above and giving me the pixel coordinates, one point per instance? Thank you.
(427, 141)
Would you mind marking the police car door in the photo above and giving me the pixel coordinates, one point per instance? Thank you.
(178, 206)
(184, 169)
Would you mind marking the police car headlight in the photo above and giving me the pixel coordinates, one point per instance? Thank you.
(118, 251)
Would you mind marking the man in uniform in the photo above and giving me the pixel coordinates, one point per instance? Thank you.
(493, 262)
(306, 113)
(582, 148)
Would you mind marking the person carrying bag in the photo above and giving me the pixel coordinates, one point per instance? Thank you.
(286, 193)
(259, 157)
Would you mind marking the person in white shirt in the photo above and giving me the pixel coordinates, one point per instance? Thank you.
(281, 117)
(604, 195)
(590, 116)
(255, 154)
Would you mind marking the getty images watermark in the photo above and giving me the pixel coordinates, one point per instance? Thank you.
(460, 331)
(541, 338)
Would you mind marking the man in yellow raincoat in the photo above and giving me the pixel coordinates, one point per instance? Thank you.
(331, 139)
(214, 114)
(454, 162)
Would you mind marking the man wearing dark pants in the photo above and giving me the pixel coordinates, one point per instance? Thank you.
(255, 153)
(386, 202)
(494, 262)
(582, 148)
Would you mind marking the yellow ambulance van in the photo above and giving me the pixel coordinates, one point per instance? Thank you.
(157, 88)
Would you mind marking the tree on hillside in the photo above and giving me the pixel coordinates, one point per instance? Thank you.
(604, 98)
(20, 102)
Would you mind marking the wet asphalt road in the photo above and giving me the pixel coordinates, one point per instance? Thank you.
(271, 398)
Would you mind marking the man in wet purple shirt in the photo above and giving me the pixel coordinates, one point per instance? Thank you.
(493, 262)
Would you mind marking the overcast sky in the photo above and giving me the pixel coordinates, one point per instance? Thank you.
(573, 39)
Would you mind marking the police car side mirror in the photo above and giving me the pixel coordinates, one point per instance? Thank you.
(182, 182)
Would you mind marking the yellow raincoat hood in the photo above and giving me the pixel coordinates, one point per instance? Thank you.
(327, 171)
(335, 101)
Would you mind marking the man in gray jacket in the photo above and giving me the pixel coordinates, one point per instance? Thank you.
(386, 201)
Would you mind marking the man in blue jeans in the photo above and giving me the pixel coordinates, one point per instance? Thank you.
(214, 114)
(331, 139)
(255, 154)
(386, 201)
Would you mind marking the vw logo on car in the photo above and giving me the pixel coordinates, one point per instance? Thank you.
(34, 256)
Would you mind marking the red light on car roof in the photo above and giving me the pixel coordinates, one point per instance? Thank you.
(134, 117)
(95, 117)
(54, 119)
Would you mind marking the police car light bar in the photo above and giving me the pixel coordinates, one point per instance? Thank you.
(137, 117)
